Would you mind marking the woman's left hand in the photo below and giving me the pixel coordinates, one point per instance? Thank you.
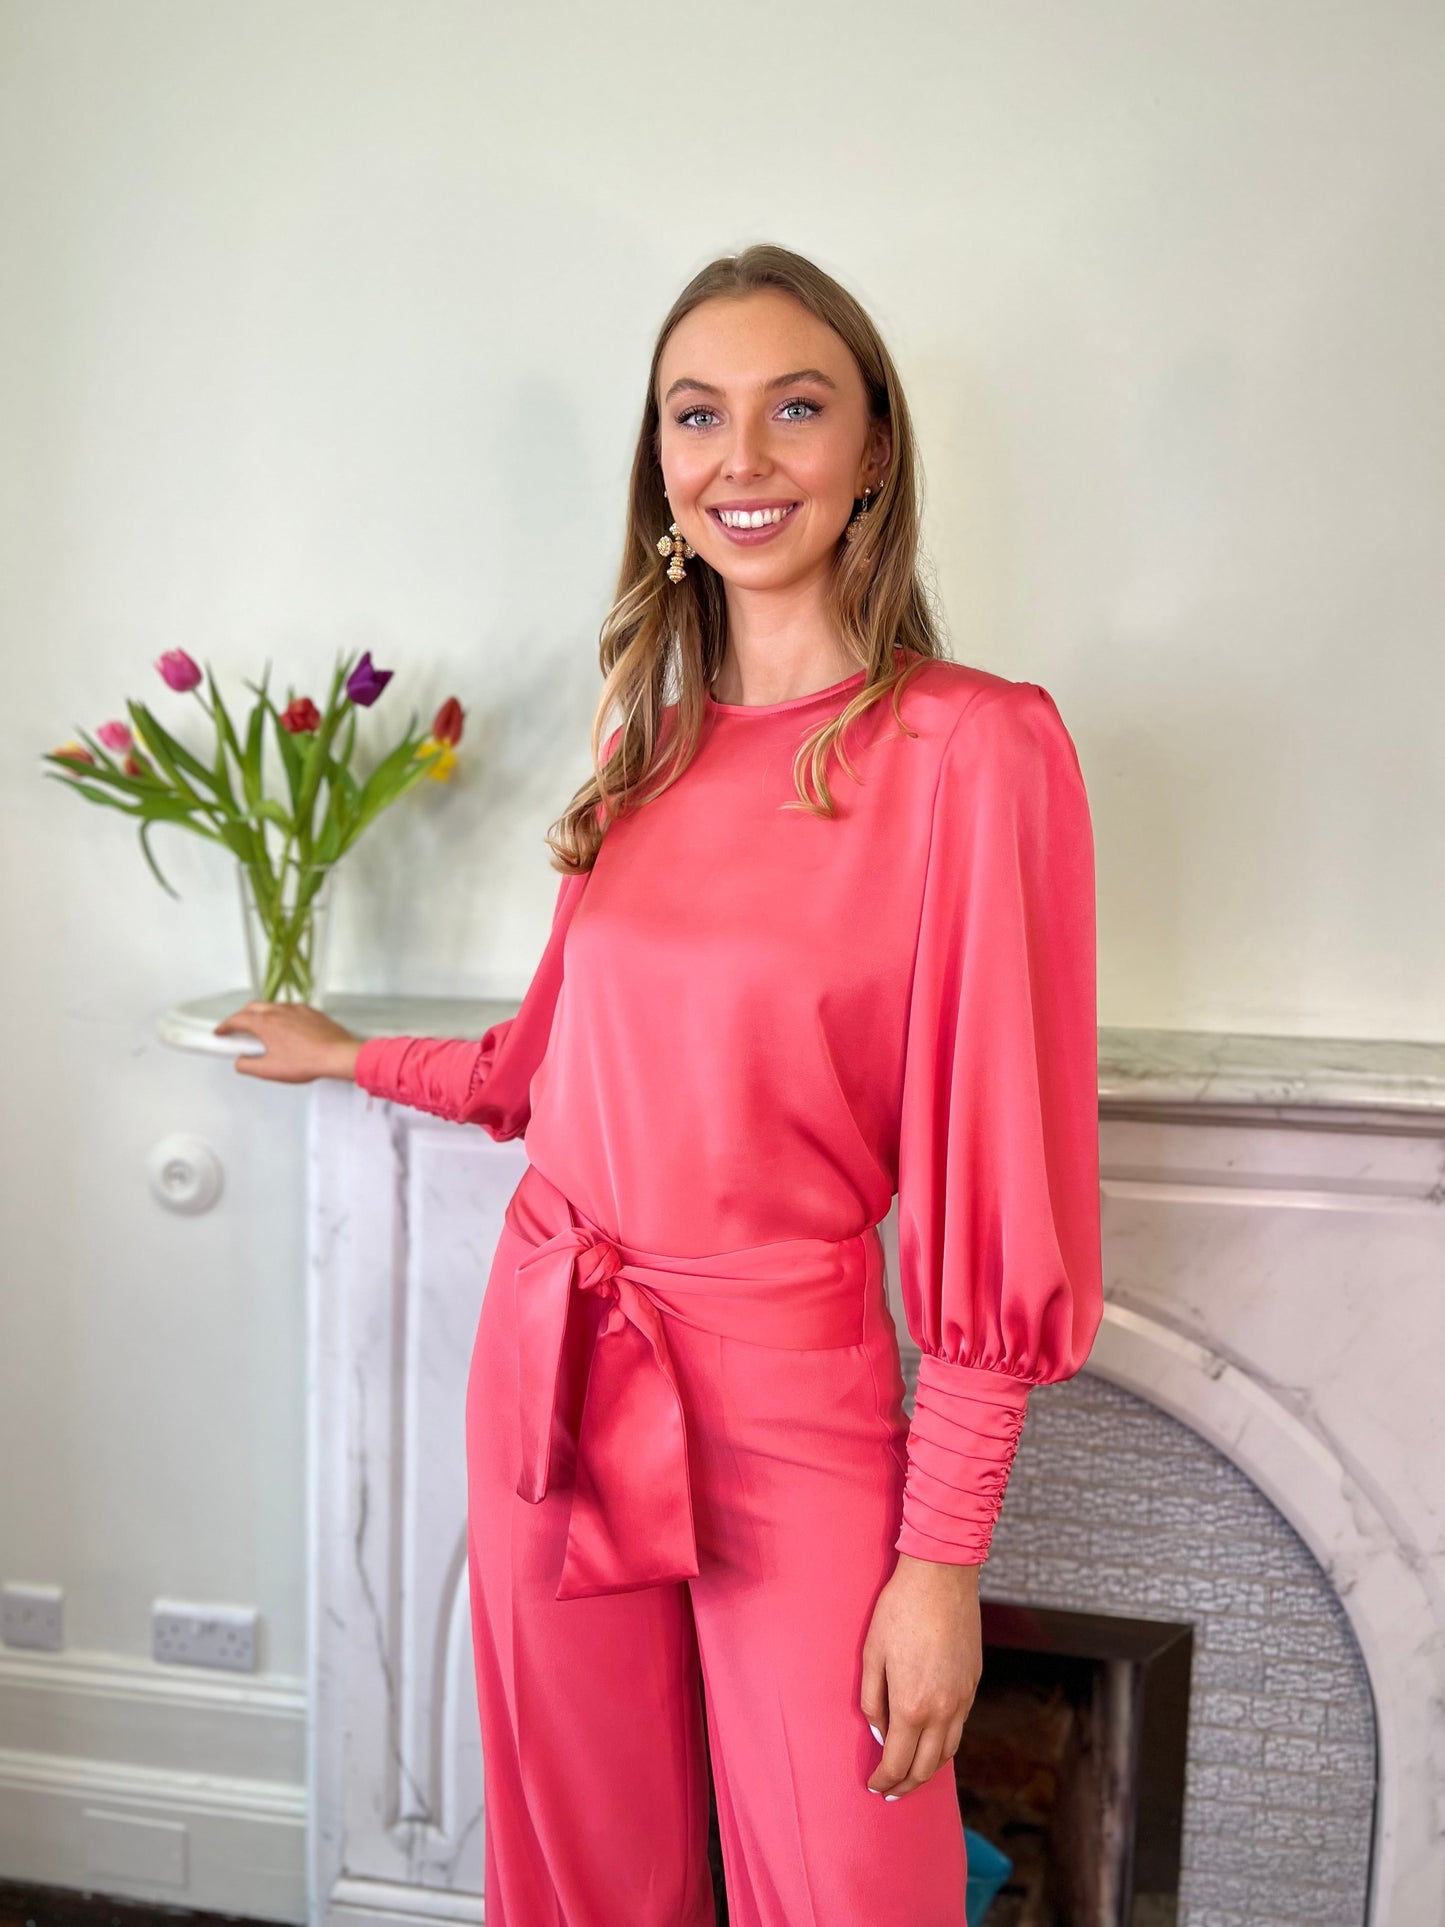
(921, 1665)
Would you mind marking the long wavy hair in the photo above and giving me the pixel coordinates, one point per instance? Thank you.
(663, 641)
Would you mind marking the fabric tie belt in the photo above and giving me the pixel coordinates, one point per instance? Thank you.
(631, 1520)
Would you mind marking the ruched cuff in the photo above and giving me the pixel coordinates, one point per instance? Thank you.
(961, 1444)
(443, 1075)
(374, 1068)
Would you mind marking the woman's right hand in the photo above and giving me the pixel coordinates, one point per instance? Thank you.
(302, 1044)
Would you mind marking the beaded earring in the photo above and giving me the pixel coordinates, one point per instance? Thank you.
(675, 545)
(855, 527)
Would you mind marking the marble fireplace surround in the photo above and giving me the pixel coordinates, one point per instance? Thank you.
(1274, 1254)
(1274, 1241)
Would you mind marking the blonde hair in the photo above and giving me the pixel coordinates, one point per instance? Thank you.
(664, 641)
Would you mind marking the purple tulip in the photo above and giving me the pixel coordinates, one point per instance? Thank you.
(365, 683)
(178, 670)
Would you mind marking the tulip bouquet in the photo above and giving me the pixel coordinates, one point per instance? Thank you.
(287, 845)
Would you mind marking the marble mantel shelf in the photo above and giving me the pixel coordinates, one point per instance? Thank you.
(1185, 1068)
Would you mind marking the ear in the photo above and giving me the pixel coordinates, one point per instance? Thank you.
(880, 449)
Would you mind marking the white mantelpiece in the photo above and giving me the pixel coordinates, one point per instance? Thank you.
(1181, 1069)
(1275, 1268)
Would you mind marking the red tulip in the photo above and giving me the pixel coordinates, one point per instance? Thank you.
(178, 670)
(137, 765)
(447, 724)
(74, 753)
(301, 718)
(114, 736)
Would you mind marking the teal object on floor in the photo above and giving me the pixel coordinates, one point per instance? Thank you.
(988, 1869)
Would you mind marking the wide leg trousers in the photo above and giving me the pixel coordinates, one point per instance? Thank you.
(593, 1742)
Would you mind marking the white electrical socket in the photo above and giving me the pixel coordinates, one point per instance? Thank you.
(31, 1616)
(188, 1635)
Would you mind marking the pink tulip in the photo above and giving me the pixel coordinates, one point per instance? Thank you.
(178, 669)
(114, 735)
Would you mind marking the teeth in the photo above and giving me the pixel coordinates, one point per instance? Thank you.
(754, 519)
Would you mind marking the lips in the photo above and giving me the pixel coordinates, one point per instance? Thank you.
(750, 536)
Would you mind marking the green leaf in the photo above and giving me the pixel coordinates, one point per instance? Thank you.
(381, 785)
(251, 761)
(290, 754)
(316, 758)
(179, 754)
(329, 846)
(172, 756)
(151, 809)
(346, 783)
(92, 796)
(106, 763)
(155, 868)
(223, 718)
(274, 812)
(226, 741)
(238, 840)
(92, 772)
(145, 789)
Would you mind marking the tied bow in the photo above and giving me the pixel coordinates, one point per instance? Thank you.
(631, 1521)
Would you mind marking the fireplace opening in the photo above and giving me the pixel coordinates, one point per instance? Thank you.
(1072, 1763)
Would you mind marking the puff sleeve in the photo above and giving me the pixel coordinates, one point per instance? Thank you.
(484, 1081)
(1000, 1271)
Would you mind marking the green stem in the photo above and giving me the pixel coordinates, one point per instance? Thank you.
(291, 936)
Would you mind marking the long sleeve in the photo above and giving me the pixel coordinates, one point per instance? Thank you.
(483, 1081)
(1000, 1270)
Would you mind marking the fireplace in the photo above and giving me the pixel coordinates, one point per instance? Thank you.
(1139, 1583)
(1249, 1454)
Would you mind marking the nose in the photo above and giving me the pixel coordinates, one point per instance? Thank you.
(748, 452)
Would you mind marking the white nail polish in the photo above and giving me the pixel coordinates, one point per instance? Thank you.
(874, 1731)
(893, 1796)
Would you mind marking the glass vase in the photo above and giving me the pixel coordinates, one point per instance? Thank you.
(287, 921)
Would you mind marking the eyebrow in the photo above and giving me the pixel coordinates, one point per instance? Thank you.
(778, 381)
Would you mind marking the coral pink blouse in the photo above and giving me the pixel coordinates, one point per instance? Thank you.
(750, 1023)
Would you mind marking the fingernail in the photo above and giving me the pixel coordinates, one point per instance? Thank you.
(893, 1796)
(874, 1731)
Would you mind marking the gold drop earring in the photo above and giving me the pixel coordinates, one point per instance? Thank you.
(675, 545)
(855, 527)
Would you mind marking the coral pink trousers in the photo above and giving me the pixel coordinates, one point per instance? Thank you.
(766, 1473)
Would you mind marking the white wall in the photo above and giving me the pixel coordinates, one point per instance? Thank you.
(323, 326)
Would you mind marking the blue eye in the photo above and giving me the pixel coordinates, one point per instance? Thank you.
(685, 419)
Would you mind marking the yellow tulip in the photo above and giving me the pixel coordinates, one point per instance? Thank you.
(442, 758)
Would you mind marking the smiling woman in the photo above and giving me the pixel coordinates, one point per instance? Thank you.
(761, 1012)
(777, 453)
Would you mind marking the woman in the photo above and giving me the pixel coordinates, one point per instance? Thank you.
(825, 931)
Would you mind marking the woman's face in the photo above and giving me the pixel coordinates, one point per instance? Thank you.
(763, 409)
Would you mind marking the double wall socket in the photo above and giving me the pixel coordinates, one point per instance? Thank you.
(189, 1635)
(182, 1634)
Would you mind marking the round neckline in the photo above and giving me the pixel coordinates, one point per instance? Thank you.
(792, 702)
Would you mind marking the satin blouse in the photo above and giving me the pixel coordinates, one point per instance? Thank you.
(750, 1023)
